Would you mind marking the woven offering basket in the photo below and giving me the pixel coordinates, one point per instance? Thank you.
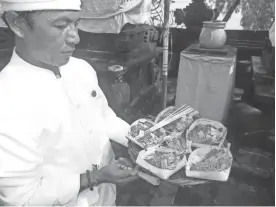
(204, 121)
(179, 178)
(197, 155)
(163, 173)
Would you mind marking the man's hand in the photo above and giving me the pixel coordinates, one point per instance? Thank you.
(127, 164)
(125, 161)
(121, 172)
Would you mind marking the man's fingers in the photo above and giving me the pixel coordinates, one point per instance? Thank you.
(127, 179)
(124, 167)
(124, 174)
(126, 171)
(134, 172)
(125, 161)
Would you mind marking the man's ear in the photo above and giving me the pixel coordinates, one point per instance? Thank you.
(15, 23)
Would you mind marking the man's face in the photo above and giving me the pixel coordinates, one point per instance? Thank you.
(52, 37)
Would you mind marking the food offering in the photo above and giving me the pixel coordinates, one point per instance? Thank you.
(205, 133)
(161, 147)
(175, 141)
(180, 125)
(210, 163)
(138, 128)
(162, 162)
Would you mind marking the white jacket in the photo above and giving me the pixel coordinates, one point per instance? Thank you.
(51, 131)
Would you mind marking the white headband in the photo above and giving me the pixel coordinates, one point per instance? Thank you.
(34, 5)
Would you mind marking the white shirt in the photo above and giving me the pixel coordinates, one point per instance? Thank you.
(51, 131)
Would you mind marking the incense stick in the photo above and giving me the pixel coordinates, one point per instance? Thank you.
(180, 112)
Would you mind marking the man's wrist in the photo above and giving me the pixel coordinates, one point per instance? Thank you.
(84, 183)
(97, 176)
(94, 175)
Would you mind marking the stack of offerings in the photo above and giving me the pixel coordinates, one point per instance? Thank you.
(184, 141)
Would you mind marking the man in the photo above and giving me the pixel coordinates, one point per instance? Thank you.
(55, 122)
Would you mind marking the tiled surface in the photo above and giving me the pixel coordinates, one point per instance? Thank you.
(242, 188)
(233, 192)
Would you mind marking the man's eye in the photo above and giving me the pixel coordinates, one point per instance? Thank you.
(61, 26)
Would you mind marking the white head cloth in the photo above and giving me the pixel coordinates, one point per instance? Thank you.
(34, 5)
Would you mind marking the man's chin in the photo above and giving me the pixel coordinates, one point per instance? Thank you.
(64, 61)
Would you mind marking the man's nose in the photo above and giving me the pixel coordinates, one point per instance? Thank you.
(73, 36)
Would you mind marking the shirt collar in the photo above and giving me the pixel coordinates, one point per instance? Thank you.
(16, 60)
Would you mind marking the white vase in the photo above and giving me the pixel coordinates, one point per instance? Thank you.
(213, 35)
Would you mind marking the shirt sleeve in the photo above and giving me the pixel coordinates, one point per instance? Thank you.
(117, 128)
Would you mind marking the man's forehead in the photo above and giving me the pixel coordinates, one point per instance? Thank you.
(56, 15)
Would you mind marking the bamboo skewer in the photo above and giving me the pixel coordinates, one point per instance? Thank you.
(168, 121)
(151, 179)
(179, 114)
(182, 108)
(130, 138)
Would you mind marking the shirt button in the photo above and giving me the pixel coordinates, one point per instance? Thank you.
(94, 93)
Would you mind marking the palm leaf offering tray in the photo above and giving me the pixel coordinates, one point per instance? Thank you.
(139, 127)
(175, 141)
(210, 163)
(205, 133)
(146, 133)
(162, 147)
(162, 162)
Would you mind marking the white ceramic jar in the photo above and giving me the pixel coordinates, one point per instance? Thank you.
(213, 35)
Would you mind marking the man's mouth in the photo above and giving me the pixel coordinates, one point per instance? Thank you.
(69, 51)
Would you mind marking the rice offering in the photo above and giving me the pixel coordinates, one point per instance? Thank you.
(140, 126)
(215, 160)
(176, 142)
(205, 134)
(164, 160)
